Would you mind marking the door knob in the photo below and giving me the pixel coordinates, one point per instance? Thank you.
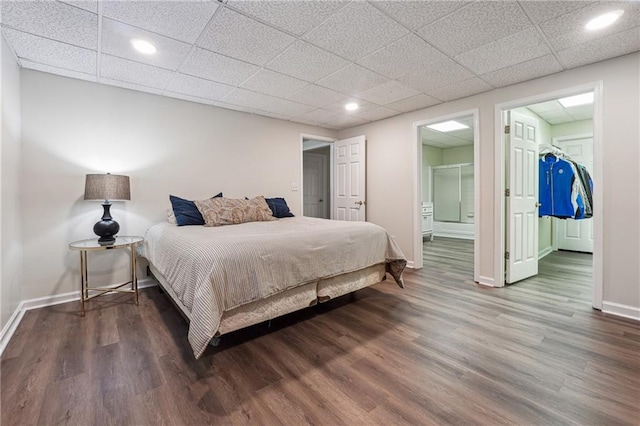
(320, 200)
(359, 203)
(538, 204)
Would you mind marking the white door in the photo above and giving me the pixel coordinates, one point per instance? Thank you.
(350, 179)
(576, 235)
(315, 185)
(522, 210)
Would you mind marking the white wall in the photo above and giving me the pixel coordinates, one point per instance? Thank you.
(390, 146)
(10, 226)
(166, 146)
(581, 127)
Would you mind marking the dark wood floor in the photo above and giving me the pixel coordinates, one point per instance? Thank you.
(441, 351)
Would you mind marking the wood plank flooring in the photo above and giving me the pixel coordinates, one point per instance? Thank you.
(441, 351)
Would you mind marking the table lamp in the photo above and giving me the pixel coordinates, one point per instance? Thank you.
(106, 187)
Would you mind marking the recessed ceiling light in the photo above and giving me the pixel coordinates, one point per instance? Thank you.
(604, 20)
(448, 126)
(583, 99)
(352, 106)
(143, 46)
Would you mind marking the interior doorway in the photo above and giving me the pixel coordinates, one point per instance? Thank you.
(317, 166)
(551, 203)
(447, 207)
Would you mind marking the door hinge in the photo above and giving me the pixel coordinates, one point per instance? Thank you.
(507, 192)
(507, 129)
(506, 255)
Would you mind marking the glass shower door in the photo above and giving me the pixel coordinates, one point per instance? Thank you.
(446, 194)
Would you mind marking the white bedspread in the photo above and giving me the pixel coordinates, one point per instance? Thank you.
(215, 269)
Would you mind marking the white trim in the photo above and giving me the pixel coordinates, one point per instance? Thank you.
(411, 264)
(41, 302)
(417, 185)
(598, 165)
(545, 252)
(487, 281)
(10, 327)
(621, 310)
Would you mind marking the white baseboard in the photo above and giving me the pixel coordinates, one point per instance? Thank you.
(545, 251)
(10, 327)
(411, 264)
(42, 302)
(620, 310)
(486, 281)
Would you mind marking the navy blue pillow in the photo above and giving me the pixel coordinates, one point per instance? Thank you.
(186, 212)
(279, 207)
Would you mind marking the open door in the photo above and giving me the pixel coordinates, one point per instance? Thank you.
(350, 179)
(522, 198)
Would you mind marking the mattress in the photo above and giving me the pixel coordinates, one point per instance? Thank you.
(213, 270)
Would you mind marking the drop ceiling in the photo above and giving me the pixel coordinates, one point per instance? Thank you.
(450, 139)
(304, 60)
(553, 112)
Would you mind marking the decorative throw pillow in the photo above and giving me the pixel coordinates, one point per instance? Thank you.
(171, 217)
(186, 212)
(231, 211)
(279, 207)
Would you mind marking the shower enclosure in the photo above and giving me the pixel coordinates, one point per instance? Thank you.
(453, 198)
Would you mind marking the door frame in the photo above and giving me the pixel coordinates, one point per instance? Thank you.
(417, 185)
(598, 167)
(554, 228)
(329, 141)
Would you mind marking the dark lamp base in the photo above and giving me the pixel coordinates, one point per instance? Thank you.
(107, 228)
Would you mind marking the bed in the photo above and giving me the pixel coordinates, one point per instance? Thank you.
(229, 277)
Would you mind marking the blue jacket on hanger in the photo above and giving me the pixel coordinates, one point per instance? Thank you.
(556, 189)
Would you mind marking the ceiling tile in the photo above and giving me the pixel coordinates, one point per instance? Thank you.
(130, 86)
(316, 96)
(416, 14)
(355, 31)
(53, 20)
(407, 55)
(52, 53)
(58, 71)
(90, 5)
(581, 112)
(266, 103)
(598, 50)
(182, 20)
(235, 35)
(198, 87)
(345, 122)
(524, 71)
(377, 113)
(116, 41)
(273, 83)
(319, 115)
(568, 30)
(507, 51)
(297, 17)
(542, 107)
(436, 75)
(115, 68)
(212, 66)
(540, 11)
(413, 103)
(461, 89)
(475, 25)
(352, 79)
(387, 93)
(307, 62)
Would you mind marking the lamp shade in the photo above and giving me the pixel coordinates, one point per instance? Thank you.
(107, 187)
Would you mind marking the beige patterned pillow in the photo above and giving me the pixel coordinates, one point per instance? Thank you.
(229, 211)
